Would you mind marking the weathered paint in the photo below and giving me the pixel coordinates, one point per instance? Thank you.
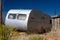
(19, 24)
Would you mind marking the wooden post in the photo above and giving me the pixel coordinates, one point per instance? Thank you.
(0, 13)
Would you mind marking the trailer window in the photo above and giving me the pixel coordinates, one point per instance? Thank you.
(12, 16)
(21, 16)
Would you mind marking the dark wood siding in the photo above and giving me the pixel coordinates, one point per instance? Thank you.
(38, 22)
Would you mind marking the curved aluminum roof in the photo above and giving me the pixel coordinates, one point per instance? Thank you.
(22, 11)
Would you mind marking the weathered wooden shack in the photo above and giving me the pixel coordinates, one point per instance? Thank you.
(55, 23)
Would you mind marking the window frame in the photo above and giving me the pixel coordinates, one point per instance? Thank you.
(21, 15)
(13, 16)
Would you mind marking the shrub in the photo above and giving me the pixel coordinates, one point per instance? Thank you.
(6, 31)
(35, 37)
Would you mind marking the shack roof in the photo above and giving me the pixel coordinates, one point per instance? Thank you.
(55, 17)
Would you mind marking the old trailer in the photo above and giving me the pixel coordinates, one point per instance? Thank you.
(28, 20)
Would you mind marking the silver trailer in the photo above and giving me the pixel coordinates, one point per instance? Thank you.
(28, 20)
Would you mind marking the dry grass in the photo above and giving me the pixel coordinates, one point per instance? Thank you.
(6, 32)
(12, 34)
(1, 32)
(35, 37)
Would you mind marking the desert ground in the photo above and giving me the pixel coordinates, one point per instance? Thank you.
(12, 34)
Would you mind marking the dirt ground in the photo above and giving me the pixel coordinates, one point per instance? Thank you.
(53, 35)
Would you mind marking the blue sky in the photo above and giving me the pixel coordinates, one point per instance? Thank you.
(46, 6)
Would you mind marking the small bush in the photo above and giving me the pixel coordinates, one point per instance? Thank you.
(7, 30)
(35, 37)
